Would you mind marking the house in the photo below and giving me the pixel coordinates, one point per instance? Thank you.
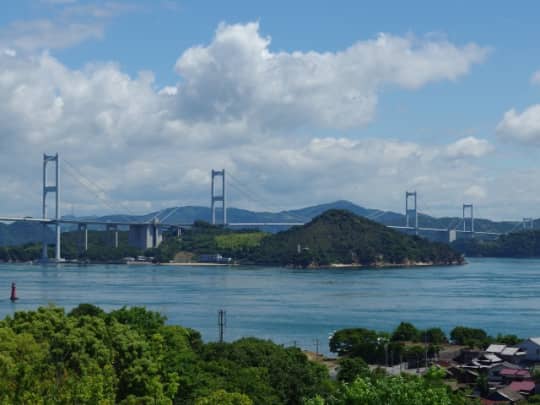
(523, 387)
(508, 353)
(506, 395)
(494, 372)
(214, 258)
(489, 359)
(532, 348)
(509, 374)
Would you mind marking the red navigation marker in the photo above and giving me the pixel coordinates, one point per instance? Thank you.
(13, 292)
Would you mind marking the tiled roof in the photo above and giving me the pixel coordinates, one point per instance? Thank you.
(519, 386)
(508, 372)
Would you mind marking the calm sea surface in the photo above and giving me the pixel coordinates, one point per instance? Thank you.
(287, 305)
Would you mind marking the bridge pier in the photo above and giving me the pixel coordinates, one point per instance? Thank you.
(145, 236)
(113, 235)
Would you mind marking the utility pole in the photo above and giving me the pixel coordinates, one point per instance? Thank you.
(426, 347)
(222, 323)
(316, 341)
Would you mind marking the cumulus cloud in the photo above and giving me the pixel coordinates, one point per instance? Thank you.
(469, 147)
(237, 76)
(238, 106)
(522, 127)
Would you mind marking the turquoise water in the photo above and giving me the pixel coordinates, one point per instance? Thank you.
(289, 305)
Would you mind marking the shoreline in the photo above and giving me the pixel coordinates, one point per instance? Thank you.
(198, 264)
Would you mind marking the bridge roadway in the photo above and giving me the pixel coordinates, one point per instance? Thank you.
(233, 224)
(86, 221)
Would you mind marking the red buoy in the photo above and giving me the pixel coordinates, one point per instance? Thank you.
(13, 292)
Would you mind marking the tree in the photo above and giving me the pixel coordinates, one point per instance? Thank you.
(434, 336)
(222, 397)
(351, 368)
(388, 391)
(357, 342)
(462, 335)
(405, 332)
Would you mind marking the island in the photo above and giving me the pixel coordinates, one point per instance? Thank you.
(335, 238)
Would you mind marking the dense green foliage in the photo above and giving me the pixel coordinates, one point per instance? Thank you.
(130, 356)
(100, 248)
(239, 240)
(400, 390)
(407, 343)
(517, 244)
(338, 236)
(204, 238)
(462, 335)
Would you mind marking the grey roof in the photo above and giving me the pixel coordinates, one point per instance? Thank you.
(510, 351)
(495, 348)
(511, 395)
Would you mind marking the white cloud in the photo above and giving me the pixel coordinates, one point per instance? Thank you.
(237, 106)
(169, 91)
(521, 127)
(238, 77)
(475, 192)
(469, 147)
(30, 36)
(10, 52)
(535, 78)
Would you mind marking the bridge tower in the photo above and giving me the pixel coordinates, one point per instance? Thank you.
(468, 208)
(54, 188)
(219, 198)
(411, 214)
(528, 223)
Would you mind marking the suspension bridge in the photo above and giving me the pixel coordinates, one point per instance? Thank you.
(148, 233)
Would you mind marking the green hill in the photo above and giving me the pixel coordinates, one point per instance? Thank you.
(341, 237)
(518, 244)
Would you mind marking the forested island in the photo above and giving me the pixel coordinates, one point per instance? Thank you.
(339, 237)
(523, 244)
(336, 237)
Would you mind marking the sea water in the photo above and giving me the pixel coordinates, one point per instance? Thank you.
(295, 306)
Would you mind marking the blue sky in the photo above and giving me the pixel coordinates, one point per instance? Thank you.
(449, 103)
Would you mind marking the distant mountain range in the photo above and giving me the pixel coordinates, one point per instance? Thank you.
(21, 233)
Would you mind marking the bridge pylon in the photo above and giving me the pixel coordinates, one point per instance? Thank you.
(411, 214)
(51, 188)
(528, 223)
(219, 198)
(468, 209)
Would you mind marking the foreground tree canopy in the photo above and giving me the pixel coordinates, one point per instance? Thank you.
(129, 356)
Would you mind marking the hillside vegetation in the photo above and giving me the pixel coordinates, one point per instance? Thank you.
(518, 244)
(341, 237)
